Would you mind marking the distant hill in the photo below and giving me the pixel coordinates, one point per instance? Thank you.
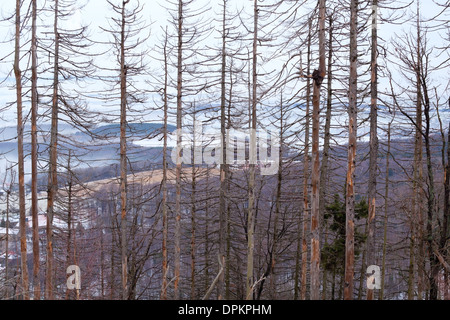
(134, 130)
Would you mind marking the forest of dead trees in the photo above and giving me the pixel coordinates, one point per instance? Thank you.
(355, 95)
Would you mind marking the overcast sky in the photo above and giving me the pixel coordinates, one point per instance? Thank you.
(97, 12)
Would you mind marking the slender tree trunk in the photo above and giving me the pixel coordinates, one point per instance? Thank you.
(271, 269)
(69, 219)
(418, 171)
(434, 263)
(34, 155)
(223, 165)
(228, 248)
(386, 195)
(373, 166)
(8, 194)
(179, 141)
(363, 267)
(326, 143)
(318, 77)
(53, 164)
(113, 248)
(352, 134)
(228, 208)
(441, 248)
(445, 237)
(422, 85)
(165, 226)
(411, 265)
(325, 272)
(251, 191)
(306, 180)
(298, 253)
(123, 156)
(102, 260)
(417, 198)
(193, 212)
(20, 130)
(206, 237)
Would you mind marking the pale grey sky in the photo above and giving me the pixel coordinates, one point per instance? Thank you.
(96, 13)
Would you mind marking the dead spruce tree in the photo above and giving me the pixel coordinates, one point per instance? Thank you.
(129, 31)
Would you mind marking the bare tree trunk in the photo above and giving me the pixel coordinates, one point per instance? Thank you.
(352, 134)
(441, 250)
(251, 187)
(445, 237)
(318, 77)
(193, 209)
(416, 205)
(306, 178)
(298, 253)
(418, 170)
(53, 164)
(417, 200)
(422, 86)
(325, 272)
(326, 143)
(228, 208)
(113, 258)
(228, 248)
(206, 237)
(179, 141)
(8, 194)
(411, 266)
(373, 166)
(434, 263)
(165, 226)
(69, 218)
(386, 195)
(102, 261)
(34, 160)
(223, 165)
(270, 271)
(363, 267)
(123, 156)
(20, 129)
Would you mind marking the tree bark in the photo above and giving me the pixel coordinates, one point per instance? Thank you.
(123, 156)
(165, 226)
(434, 265)
(418, 172)
(352, 134)
(34, 155)
(179, 142)
(445, 237)
(21, 173)
(251, 187)
(223, 165)
(386, 195)
(373, 165)
(69, 219)
(193, 209)
(306, 178)
(326, 142)
(315, 214)
(53, 164)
